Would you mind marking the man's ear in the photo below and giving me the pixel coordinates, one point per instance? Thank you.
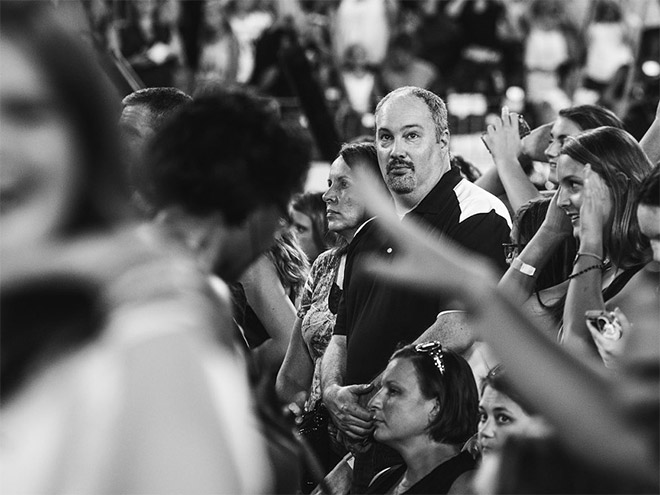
(444, 139)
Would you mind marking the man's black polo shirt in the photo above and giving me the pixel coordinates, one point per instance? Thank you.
(375, 315)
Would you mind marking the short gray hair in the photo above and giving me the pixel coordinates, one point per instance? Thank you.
(433, 102)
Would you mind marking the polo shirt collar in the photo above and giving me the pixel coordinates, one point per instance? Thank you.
(437, 197)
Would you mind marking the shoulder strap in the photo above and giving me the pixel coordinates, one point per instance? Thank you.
(620, 282)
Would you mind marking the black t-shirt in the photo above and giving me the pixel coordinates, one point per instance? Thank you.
(374, 315)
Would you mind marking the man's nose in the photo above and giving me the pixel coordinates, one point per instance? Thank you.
(552, 151)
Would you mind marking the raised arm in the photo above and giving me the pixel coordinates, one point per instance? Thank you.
(519, 280)
(503, 140)
(650, 142)
(585, 287)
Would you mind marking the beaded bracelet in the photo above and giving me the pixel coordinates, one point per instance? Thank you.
(588, 269)
(591, 255)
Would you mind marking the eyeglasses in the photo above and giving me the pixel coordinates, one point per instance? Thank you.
(434, 351)
(511, 250)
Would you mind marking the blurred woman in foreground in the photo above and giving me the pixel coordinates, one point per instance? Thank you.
(111, 371)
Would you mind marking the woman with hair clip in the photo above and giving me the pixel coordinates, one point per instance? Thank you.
(600, 173)
(425, 410)
(108, 332)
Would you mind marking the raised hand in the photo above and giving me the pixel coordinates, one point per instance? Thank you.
(595, 209)
(611, 349)
(556, 220)
(503, 139)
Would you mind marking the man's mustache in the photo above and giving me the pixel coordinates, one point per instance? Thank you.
(398, 163)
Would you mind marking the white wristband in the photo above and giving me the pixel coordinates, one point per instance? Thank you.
(523, 267)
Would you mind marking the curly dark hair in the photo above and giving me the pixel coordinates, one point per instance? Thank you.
(226, 152)
(455, 391)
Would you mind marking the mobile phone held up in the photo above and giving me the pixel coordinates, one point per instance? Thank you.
(605, 322)
(523, 130)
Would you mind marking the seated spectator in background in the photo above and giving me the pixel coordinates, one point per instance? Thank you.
(608, 52)
(359, 84)
(148, 37)
(113, 377)
(218, 47)
(502, 412)
(143, 113)
(367, 23)
(552, 49)
(310, 224)
(425, 410)
(542, 144)
(402, 67)
(600, 174)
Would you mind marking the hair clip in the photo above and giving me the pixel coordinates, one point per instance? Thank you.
(434, 350)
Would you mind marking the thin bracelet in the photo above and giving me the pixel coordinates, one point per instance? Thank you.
(591, 255)
(588, 269)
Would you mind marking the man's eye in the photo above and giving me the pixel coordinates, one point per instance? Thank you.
(412, 135)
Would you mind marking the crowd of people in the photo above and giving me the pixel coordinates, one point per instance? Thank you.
(476, 54)
(180, 316)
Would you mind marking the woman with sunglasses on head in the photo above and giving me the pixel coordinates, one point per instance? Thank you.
(425, 410)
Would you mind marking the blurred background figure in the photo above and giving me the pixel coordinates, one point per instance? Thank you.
(219, 48)
(403, 68)
(146, 34)
(266, 297)
(310, 224)
(143, 114)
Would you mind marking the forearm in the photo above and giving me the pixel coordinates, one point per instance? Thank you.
(584, 293)
(333, 366)
(518, 187)
(295, 375)
(650, 142)
(520, 286)
(451, 329)
(490, 181)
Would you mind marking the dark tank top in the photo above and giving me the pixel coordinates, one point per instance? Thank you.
(437, 481)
